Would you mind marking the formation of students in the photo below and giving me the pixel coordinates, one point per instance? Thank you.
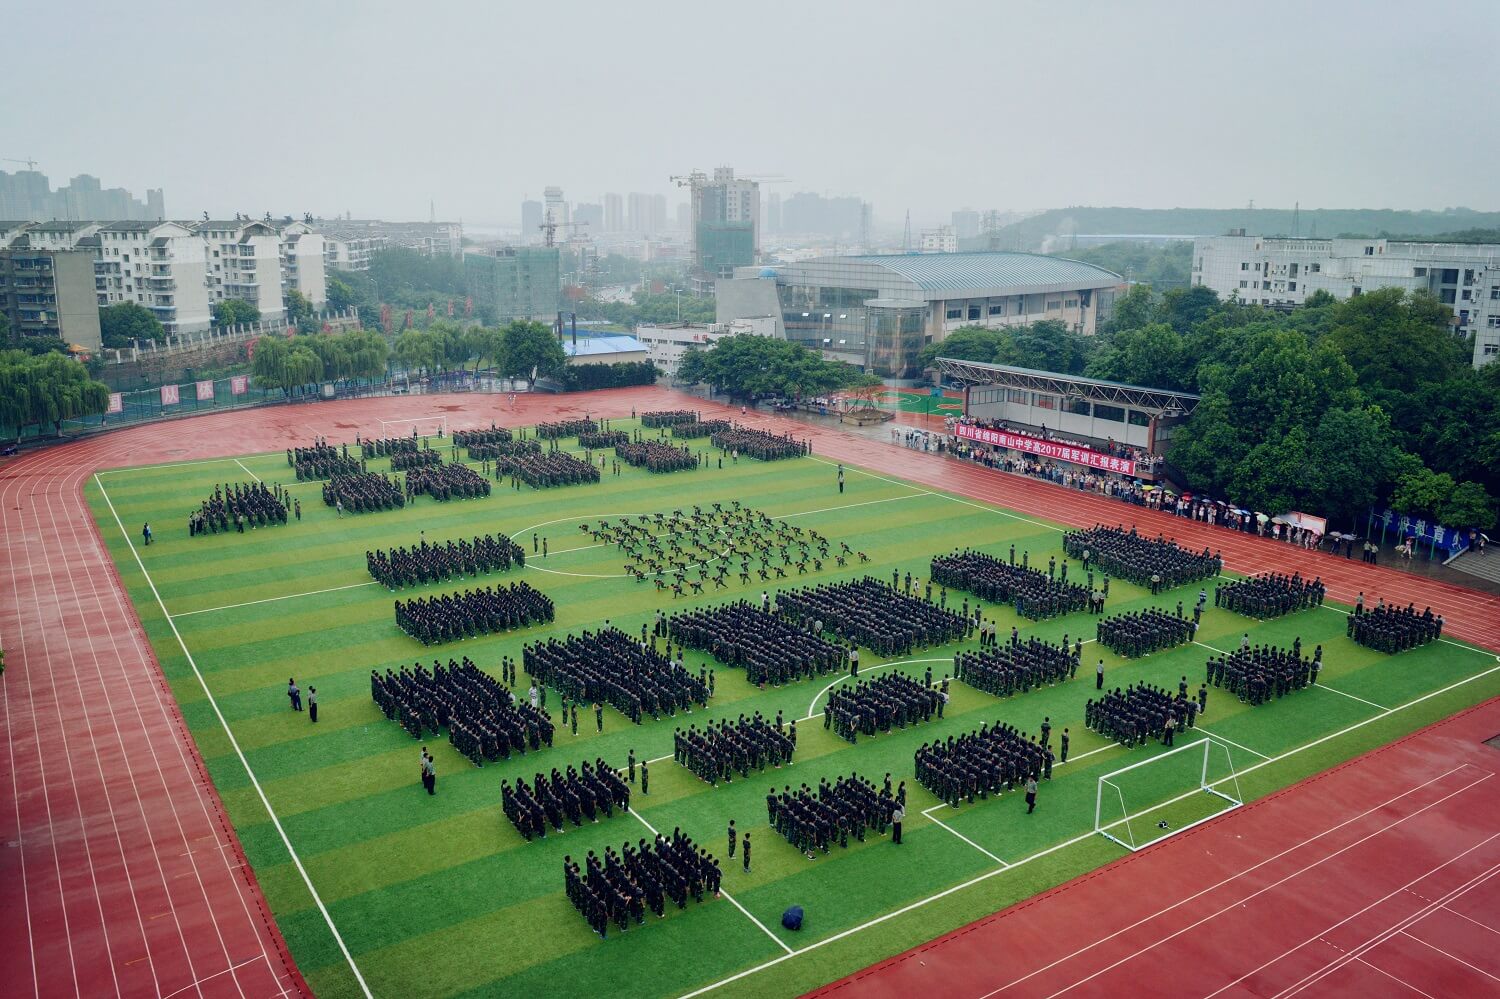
(475, 438)
(388, 447)
(759, 444)
(892, 700)
(1157, 563)
(873, 614)
(1270, 595)
(813, 821)
(694, 430)
(434, 563)
(405, 460)
(654, 457)
(609, 667)
(493, 450)
(542, 471)
(1140, 633)
(582, 792)
(1018, 666)
(725, 748)
(1256, 674)
(622, 886)
(321, 462)
(668, 417)
(1392, 629)
(1142, 711)
(484, 721)
(445, 482)
(237, 504)
(363, 492)
(670, 546)
(565, 428)
(986, 761)
(601, 439)
(453, 616)
(767, 648)
(1035, 594)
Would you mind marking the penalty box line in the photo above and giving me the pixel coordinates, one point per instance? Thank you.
(1090, 835)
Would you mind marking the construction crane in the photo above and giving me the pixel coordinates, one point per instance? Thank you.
(30, 164)
(551, 225)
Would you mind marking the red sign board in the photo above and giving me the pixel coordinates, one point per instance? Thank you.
(238, 384)
(1055, 450)
(205, 390)
(169, 395)
(116, 403)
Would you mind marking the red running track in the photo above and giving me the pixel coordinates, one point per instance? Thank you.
(1380, 877)
(121, 873)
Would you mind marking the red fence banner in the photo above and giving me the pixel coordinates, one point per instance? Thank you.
(1046, 449)
(169, 395)
(116, 402)
(205, 390)
(239, 384)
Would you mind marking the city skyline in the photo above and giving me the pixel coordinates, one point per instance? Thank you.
(1203, 108)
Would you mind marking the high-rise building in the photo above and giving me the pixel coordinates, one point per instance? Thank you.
(814, 214)
(531, 221)
(614, 213)
(28, 194)
(726, 225)
(244, 262)
(684, 217)
(163, 266)
(940, 240)
(47, 283)
(1281, 272)
(773, 212)
(643, 214)
(589, 214)
(966, 223)
(303, 263)
(515, 282)
(556, 210)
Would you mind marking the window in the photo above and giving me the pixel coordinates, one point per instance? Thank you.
(999, 310)
(1071, 303)
(1468, 277)
(1468, 295)
(1291, 286)
(1136, 418)
(1243, 283)
(954, 314)
(1449, 275)
(1491, 348)
(1314, 268)
(1053, 304)
(1045, 401)
(1493, 322)
(1292, 272)
(1369, 251)
(1265, 286)
(1020, 396)
(1357, 290)
(1113, 414)
(1419, 272)
(1447, 296)
(1244, 265)
(1079, 407)
(973, 312)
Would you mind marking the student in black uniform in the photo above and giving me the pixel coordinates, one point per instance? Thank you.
(645, 779)
(733, 837)
(747, 853)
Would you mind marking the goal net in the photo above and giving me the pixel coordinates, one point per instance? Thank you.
(1148, 801)
(427, 426)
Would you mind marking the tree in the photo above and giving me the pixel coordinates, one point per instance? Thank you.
(126, 321)
(486, 345)
(1468, 505)
(299, 311)
(417, 350)
(1350, 461)
(1319, 299)
(1155, 356)
(1134, 309)
(749, 366)
(340, 295)
(46, 389)
(233, 311)
(1422, 492)
(1397, 342)
(1048, 345)
(1184, 308)
(531, 347)
(286, 363)
(969, 343)
(414, 279)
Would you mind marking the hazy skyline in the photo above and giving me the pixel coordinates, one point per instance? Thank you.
(379, 108)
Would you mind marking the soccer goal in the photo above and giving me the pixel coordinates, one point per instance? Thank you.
(427, 426)
(1148, 801)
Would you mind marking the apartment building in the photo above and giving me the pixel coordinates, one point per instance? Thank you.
(159, 265)
(303, 263)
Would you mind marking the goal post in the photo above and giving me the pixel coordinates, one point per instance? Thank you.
(426, 426)
(1167, 793)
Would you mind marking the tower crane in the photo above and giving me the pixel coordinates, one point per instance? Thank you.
(551, 225)
(30, 164)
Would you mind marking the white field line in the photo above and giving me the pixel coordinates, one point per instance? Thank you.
(1090, 835)
(247, 471)
(1219, 738)
(722, 891)
(233, 742)
(271, 600)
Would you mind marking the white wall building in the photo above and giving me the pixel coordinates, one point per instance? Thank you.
(303, 267)
(349, 251)
(244, 260)
(1282, 272)
(667, 343)
(943, 239)
(160, 265)
(614, 213)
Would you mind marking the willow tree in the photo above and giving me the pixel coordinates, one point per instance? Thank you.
(45, 390)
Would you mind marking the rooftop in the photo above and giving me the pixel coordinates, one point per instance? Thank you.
(589, 346)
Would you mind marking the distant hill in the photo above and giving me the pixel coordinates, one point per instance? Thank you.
(1050, 230)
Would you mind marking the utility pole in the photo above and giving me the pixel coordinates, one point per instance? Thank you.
(906, 235)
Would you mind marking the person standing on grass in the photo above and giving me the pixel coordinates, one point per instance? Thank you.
(429, 772)
(645, 777)
(841, 480)
(294, 693)
(733, 834)
(312, 704)
(146, 533)
(897, 814)
(747, 853)
(1099, 676)
(630, 764)
(1064, 746)
(1030, 794)
(599, 716)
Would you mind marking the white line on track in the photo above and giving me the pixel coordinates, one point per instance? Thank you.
(234, 743)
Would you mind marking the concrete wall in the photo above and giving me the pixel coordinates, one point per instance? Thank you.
(748, 298)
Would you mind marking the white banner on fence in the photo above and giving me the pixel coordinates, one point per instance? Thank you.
(205, 390)
(169, 395)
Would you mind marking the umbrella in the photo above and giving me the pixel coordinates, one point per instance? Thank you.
(1262, 517)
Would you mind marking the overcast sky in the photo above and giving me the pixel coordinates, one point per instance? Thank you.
(931, 106)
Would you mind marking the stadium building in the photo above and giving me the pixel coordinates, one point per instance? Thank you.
(880, 311)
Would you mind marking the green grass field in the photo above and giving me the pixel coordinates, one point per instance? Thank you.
(439, 896)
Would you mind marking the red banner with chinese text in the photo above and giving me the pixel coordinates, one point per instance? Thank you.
(1047, 449)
